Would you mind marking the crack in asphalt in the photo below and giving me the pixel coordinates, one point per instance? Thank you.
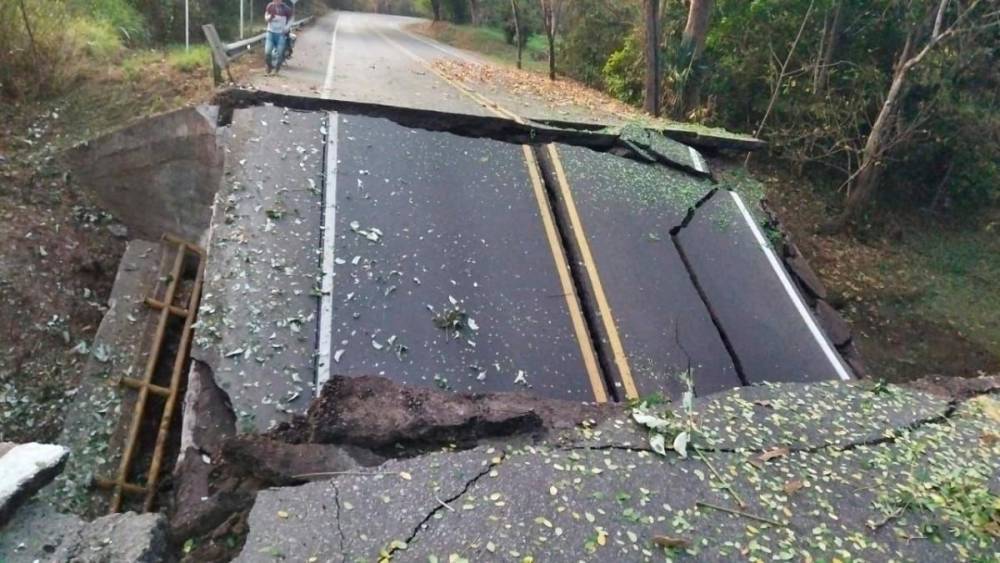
(340, 529)
(716, 322)
(444, 503)
(948, 414)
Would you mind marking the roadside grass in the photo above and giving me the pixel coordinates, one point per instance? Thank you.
(961, 284)
(489, 41)
(197, 58)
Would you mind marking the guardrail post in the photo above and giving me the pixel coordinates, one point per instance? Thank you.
(219, 58)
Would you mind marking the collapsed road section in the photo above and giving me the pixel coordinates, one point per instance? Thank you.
(346, 243)
(355, 240)
(465, 253)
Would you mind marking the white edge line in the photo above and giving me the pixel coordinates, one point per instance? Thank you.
(699, 161)
(792, 293)
(325, 340)
(328, 80)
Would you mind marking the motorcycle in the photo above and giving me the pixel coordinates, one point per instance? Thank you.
(289, 45)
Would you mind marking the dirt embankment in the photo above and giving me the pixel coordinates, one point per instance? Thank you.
(61, 247)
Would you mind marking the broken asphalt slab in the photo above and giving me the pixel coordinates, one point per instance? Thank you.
(443, 271)
(595, 136)
(626, 212)
(256, 325)
(771, 334)
(40, 533)
(324, 526)
(417, 417)
(590, 496)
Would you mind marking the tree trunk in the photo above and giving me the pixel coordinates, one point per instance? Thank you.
(517, 30)
(154, 15)
(696, 29)
(651, 91)
(436, 8)
(549, 18)
(870, 170)
(31, 36)
(829, 45)
(474, 11)
(692, 46)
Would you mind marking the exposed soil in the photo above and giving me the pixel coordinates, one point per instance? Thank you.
(56, 271)
(61, 251)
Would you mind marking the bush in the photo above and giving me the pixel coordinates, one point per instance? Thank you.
(64, 42)
(592, 31)
(118, 15)
(623, 73)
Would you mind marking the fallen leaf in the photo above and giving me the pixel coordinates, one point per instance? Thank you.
(793, 486)
(772, 454)
(406, 476)
(671, 542)
(681, 443)
(658, 443)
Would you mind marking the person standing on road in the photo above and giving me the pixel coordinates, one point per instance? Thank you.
(278, 17)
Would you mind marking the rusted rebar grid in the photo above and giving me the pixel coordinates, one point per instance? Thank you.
(145, 386)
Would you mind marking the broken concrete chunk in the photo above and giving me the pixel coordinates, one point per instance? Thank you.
(36, 532)
(373, 412)
(24, 469)
(834, 325)
(157, 175)
(280, 463)
(208, 416)
(852, 356)
(800, 267)
(124, 538)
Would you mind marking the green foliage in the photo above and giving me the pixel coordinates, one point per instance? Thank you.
(197, 58)
(592, 31)
(623, 72)
(63, 42)
(949, 115)
(119, 15)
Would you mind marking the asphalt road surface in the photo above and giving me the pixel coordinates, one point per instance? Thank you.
(475, 264)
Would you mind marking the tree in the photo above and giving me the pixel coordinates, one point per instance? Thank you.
(696, 29)
(651, 90)
(889, 129)
(692, 47)
(436, 9)
(829, 42)
(474, 12)
(517, 30)
(551, 10)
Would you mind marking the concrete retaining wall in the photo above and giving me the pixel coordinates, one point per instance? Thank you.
(157, 175)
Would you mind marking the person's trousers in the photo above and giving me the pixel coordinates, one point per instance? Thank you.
(274, 49)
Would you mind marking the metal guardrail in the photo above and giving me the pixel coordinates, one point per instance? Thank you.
(224, 53)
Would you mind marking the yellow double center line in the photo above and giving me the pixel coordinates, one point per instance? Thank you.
(558, 253)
